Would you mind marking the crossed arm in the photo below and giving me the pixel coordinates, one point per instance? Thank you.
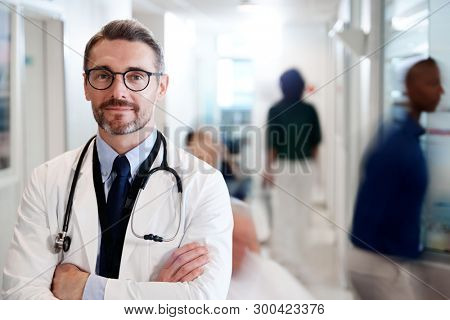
(185, 264)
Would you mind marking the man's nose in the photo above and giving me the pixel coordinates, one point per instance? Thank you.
(118, 88)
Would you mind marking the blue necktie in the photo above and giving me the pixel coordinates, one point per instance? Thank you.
(113, 238)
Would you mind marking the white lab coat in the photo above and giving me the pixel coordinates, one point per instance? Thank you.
(206, 218)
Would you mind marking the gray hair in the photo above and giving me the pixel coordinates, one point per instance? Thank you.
(131, 30)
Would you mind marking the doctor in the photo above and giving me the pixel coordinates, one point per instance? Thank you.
(107, 257)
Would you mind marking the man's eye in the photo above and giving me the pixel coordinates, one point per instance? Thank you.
(103, 76)
(136, 77)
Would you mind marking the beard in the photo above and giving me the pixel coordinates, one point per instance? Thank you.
(116, 126)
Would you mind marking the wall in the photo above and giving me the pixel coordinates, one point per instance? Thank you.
(206, 60)
(181, 65)
(34, 98)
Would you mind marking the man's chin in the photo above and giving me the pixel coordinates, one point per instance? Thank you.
(120, 130)
(433, 108)
(119, 127)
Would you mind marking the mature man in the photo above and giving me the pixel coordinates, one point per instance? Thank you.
(107, 258)
(386, 223)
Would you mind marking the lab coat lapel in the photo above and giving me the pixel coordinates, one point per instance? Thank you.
(85, 214)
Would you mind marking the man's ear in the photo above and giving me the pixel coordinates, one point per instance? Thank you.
(86, 84)
(162, 86)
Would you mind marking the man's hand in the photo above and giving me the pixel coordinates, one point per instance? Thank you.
(68, 282)
(185, 264)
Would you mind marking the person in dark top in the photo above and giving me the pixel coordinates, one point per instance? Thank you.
(293, 127)
(293, 137)
(391, 193)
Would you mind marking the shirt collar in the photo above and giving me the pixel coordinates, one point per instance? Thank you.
(412, 126)
(137, 155)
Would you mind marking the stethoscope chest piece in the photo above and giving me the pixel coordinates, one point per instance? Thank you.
(66, 243)
(62, 241)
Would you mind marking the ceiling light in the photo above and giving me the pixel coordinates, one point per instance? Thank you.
(246, 6)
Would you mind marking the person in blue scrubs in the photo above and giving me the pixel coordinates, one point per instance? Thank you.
(386, 221)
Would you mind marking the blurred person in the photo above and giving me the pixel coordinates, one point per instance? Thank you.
(386, 223)
(293, 137)
(104, 253)
(253, 276)
(238, 183)
(202, 145)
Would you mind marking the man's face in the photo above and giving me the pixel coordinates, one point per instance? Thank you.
(117, 109)
(425, 89)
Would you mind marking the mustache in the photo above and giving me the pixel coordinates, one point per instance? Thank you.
(118, 102)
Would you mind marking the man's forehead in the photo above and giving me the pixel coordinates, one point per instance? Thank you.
(420, 74)
(424, 69)
(122, 54)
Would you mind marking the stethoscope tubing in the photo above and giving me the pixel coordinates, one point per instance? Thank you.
(63, 241)
(163, 239)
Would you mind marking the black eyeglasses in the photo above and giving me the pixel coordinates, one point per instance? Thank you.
(135, 80)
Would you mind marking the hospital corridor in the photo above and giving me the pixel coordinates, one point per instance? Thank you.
(225, 149)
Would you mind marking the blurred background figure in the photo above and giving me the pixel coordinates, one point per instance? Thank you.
(293, 137)
(386, 224)
(203, 145)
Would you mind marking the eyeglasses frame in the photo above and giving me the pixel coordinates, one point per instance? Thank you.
(88, 71)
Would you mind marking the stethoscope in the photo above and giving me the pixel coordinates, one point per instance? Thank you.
(63, 240)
